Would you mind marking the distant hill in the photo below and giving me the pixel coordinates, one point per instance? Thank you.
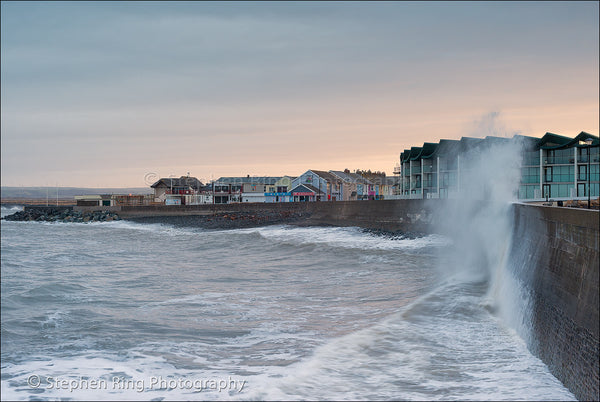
(66, 192)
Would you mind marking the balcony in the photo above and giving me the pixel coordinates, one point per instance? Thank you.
(180, 192)
(558, 161)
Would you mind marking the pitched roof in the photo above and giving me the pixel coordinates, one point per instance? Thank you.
(446, 147)
(183, 181)
(427, 150)
(326, 175)
(550, 140)
(414, 153)
(343, 176)
(405, 155)
(305, 188)
(361, 179)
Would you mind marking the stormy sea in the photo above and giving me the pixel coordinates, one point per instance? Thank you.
(123, 310)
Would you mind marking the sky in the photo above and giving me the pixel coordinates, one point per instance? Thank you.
(115, 94)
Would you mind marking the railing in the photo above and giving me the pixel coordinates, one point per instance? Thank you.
(558, 160)
(180, 192)
(584, 159)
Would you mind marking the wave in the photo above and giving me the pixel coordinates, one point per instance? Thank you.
(4, 211)
(97, 375)
(443, 345)
(342, 237)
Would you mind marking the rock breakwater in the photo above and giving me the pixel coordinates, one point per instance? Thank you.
(228, 220)
(62, 215)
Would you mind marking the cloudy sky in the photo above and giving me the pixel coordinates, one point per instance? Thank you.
(104, 94)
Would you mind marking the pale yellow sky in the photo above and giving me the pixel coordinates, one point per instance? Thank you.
(102, 95)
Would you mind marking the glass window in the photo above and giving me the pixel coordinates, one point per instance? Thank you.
(560, 156)
(531, 158)
(530, 175)
(595, 154)
(527, 192)
(594, 172)
(582, 172)
(548, 174)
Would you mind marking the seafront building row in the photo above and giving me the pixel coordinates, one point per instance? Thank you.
(553, 166)
(312, 185)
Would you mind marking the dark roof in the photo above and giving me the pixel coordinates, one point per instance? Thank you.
(554, 141)
(427, 150)
(455, 147)
(404, 156)
(183, 181)
(305, 188)
(446, 147)
(414, 153)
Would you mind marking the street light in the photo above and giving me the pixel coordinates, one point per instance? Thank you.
(589, 141)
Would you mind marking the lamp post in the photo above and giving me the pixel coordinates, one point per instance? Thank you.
(589, 141)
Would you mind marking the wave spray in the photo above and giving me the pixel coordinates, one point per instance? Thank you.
(480, 223)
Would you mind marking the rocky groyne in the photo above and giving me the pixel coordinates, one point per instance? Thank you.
(57, 214)
(225, 220)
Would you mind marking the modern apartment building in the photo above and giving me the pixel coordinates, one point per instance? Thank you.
(553, 166)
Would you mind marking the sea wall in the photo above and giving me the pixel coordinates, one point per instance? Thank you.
(388, 215)
(555, 253)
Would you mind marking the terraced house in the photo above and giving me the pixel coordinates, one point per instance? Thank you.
(554, 166)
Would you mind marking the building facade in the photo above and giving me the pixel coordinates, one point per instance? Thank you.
(173, 190)
(228, 190)
(315, 182)
(553, 166)
(280, 191)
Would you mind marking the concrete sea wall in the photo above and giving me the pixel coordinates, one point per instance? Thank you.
(389, 215)
(555, 253)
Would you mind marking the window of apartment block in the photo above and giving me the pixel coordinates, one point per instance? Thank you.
(595, 154)
(594, 169)
(530, 175)
(582, 172)
(563, 174)
(531, 158)
(582, 155)
(560, 190)
(560, 156)
(527, 192)
(548, 174)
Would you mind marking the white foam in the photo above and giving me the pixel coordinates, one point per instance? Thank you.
(343, 237)
(132, 377)
(431, 350)
(4, 211)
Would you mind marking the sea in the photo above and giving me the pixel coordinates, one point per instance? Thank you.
(130, 311)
